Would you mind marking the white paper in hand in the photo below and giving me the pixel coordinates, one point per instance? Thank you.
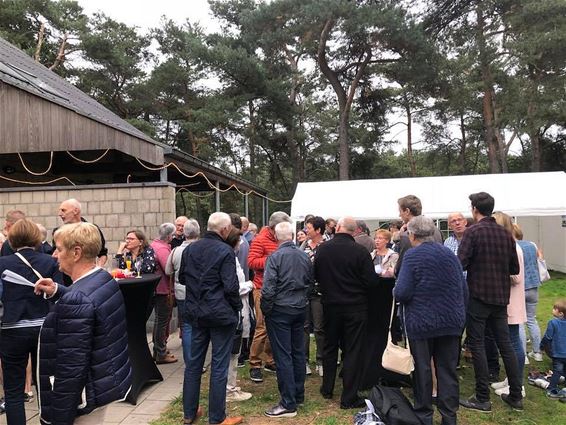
(10, 276)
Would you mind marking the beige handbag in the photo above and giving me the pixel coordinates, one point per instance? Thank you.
(396, 358)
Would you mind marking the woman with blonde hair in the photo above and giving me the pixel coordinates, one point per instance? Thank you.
(516, 309)
(83, 346)
(384, 258)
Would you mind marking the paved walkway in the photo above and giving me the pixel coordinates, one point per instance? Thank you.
(153, 400)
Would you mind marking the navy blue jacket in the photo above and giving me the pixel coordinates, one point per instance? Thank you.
(83, 350)
(22, 308)
(432, 289)
(208, 270)
(7, 249)
(287, 279)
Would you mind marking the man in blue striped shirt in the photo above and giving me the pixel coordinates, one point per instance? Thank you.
(457, 224)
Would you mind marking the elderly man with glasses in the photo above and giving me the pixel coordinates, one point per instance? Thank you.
(457, 224)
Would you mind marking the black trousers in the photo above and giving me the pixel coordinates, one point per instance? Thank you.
(16, 346)
(491, 352)
(345, 328)
(444, 350)
(480, 315)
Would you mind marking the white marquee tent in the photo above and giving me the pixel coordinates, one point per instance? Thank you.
(537, 200)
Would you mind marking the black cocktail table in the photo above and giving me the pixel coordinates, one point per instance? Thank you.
(137, 293)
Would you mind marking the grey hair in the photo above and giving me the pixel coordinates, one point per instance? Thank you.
(191, 229)
(278, 217)
(75, 203)
(166, 230)
(284, 231)
(42, 230)
(348, 224)
(217, 221)
(422, 228)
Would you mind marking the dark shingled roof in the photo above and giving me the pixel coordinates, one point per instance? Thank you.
(20, 70)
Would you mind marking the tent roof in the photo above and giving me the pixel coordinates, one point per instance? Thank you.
(517, 194)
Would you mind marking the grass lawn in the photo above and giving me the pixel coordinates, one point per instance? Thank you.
(539, 410)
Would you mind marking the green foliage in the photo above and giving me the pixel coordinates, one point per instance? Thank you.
(63, 26)
(288, 90)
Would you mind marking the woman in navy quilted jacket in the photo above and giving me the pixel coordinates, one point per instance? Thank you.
(24, 312)
(83, 345)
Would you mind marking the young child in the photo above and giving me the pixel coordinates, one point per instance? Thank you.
(554, 343)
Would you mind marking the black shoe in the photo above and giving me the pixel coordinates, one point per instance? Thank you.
(270, 368)
(493, 377)
(515, 404)
(2, 405)
(325, 395)
(474, 404)
(256, 375)
(241, 363)
(359, 403)
(280, 412)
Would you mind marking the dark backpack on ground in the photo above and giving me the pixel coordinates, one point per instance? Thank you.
(392, 406)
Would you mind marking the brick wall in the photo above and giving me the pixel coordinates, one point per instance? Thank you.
(114, 208)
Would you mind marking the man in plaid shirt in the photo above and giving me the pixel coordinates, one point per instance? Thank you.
(487, 252)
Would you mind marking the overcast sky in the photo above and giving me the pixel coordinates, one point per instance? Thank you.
(146, 14)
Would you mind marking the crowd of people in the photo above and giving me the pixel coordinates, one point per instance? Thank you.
(249, 295)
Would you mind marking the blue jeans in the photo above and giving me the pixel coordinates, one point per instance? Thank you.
(518, 347)
(558, 370)
(286, 333)
(221, 338)
(186, 330)
(531, 299)
(16, 346)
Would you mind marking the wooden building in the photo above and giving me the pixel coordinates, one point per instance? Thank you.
(56, 143)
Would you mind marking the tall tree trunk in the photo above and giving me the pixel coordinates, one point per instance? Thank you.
(345, 96)
(410, 155)
(463, 143)
(488, 96)
(252, 132)
(536, 150)
(40, 38)
(61, 53)
(533, 129)
(297, 161)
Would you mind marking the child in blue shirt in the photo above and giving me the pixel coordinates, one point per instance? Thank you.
(554, 343)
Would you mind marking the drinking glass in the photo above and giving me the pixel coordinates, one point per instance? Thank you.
(138, 265)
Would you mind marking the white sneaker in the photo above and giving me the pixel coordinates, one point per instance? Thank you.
(541, 383)
(238, 395)
(505, 390)
(319, 370)
(499, 385)
(536, 356)
(527, 360)
(308, 370)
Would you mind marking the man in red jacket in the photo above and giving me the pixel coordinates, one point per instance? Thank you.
(264, 244)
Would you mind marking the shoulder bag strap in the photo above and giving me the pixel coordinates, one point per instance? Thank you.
(389, 339)
(26, 262)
